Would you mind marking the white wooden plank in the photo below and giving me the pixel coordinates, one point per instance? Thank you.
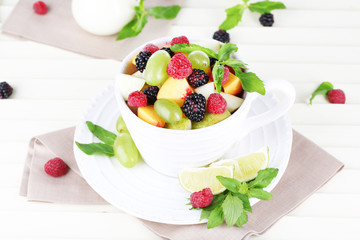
(67, 225)
(13, 151)
(348, 156)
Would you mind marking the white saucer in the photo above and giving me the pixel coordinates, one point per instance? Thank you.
(147, 194)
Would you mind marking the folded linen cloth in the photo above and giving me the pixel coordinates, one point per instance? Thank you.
(309, 168)
(58, 28)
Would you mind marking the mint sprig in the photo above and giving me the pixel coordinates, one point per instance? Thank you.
(323, 89)
(232, 205)
(136, 25)
(234, 14)
(249, 80)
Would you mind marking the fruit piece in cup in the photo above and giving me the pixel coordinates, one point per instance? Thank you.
(183, 76)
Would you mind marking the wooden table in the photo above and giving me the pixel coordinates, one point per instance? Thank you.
(311, 42)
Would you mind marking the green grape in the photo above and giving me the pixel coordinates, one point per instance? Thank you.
(199, 60)
(168, 110)
(155, 72)
(121, 126)
(125, 150)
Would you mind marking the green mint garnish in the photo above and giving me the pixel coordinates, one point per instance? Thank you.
(96, 149)
(188, 48)
(218, 74)
(232, 205)
(102, 134)
(136, 25)
(323, 89)
(226, 50)
(266, 6)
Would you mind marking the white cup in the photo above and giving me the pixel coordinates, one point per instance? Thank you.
(169, 151)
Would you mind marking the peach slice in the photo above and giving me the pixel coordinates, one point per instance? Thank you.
(149, 115)
(175, 90)
(232, 85)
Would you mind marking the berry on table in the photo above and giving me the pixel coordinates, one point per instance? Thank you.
(216, 104)
(221, 36)
(137, 99)
(40, 8)
(5, 90)
(267, 19)
(178, 40)
(198, 78)
(336, 96)
(201, 198)
(151, 47)
(168, 50)
(194, 107)
(179, 66)
(56, 167)
(142, 59)
(151, 93)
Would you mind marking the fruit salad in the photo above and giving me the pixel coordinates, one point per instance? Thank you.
(186, 85)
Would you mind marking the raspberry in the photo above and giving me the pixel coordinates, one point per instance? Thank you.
(198, 78)
(40, 8)
(5, 90)
(141, 60)
(178, 40)
(151, 93)
(201, 198)
(221, 36)
(137, 99)
(56, 167)
(194, 107)
(267, 19)
(336, 96)
(226, 75)
(179, 66)
(168, 50)
(216, 104)
(151, 47)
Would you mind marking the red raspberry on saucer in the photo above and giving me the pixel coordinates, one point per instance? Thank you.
(56, 167)
(179, 66)
(137, 99)
(40, 8)
(336, 96)
(202, 198)
(151, 47)
(178, 40)
(216, 104)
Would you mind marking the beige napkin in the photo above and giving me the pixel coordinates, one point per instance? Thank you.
(59, 29)
(309, 168)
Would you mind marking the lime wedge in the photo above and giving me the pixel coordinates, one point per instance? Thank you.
(196, 179)
(247, 167)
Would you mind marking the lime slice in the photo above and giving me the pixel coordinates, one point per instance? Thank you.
(247, 167)
(196, 179)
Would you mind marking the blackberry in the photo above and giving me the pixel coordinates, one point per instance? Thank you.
(222, 36)
(5, 90)
(141, 60)
(194, 107)
(198, 78)
(151, 93)
(267, 19)
(212, 61)
(168, 50)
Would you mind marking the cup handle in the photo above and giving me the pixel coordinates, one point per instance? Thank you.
(282, 107)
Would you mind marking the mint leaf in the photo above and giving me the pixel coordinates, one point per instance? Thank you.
(264, 178)
(323, 89)
(205, 214)
(231, 184)
(217, 200)
(216, 217)
(234, 63)
(260, 194)
(218, 74)
(245, 200)
(250, 82)
(266, 6)
(226, 50)
(102, 134)
(128, 31)
(96, 149)
(188, 48)
(242, 219)
(232, 208)
(169, 12)
(233, 17)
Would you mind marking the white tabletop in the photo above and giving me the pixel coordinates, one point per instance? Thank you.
(311, 42)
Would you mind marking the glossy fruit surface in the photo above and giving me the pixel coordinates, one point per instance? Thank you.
(125, 150)
(168, 110)
(155, 73)
(199, 60)
(121, 126)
